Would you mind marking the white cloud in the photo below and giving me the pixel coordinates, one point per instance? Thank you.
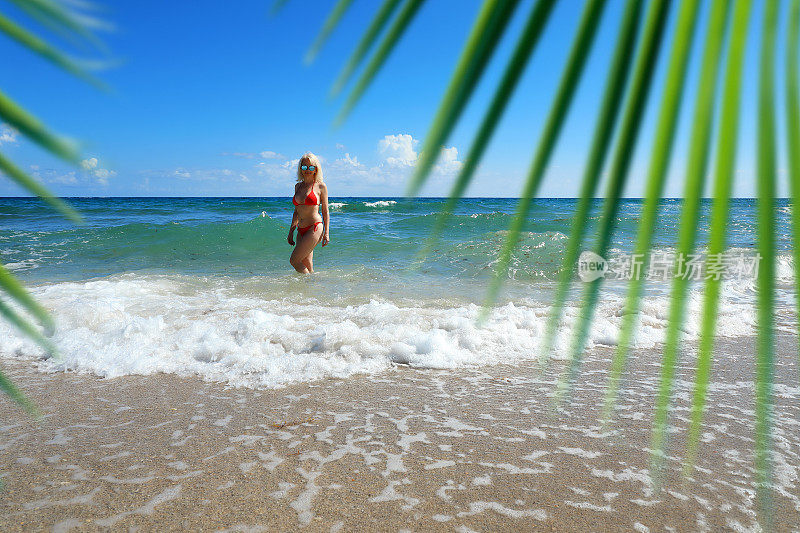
(340, 147)
(182, 173)
(91, 165)
(448, 161)
(350, 161)
(291, 164)
(266, 154)
(8, 135)
(398, 150)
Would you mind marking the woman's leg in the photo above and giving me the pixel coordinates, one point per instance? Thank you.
(308, 261)
(304, 247)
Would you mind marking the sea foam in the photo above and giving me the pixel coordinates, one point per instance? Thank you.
(144, 324)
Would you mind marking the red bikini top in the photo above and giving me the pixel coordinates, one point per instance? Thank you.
(311, 199)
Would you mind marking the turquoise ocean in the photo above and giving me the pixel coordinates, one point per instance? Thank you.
(203, 285)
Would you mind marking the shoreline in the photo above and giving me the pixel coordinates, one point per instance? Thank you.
(435, 450)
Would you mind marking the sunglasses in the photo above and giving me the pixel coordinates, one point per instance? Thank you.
(312, 168)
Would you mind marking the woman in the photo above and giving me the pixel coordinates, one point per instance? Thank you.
(309, 193)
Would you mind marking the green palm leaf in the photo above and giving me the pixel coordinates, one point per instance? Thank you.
(555, 120)
(34, 187)
(393, 35)
(33, 43)
(369, 38)
(513, 73)
(29, 126)
(493, 18)
(629, 129)
(14, 288)
(60, 19)
(277, 5)
(612, 98)
(723, 183)
(766, 268)
(327, 28)
(66, 23)
(695, 182)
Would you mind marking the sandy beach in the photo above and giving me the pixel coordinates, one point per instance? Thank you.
(422, 450)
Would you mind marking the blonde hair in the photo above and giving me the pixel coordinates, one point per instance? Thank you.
(313, 160)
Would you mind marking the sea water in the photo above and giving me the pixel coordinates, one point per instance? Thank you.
(203, 286)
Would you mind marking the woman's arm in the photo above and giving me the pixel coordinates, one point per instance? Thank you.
(290, 239)
(326, 217)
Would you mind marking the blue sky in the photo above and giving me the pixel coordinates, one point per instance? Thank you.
(213, 99)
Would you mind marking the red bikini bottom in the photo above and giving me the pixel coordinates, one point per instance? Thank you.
(302, 231)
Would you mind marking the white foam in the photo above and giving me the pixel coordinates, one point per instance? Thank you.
(146, 324)
(380, 203)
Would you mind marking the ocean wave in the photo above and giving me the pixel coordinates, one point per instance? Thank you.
(216, 329)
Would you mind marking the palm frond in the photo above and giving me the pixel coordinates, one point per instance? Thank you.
(69, 24)
(369, 38)
(723, 184)
(36, 188)
(492, 20)
(766, 268)
(8, 387)
(14, 288)
(33, 43)
(61, 20)
(513, 73)
(391, 38)
(695, 182)
(277, 5)
(647, 53)
(27, 328)
(609, 111)
(550, 133)
(28, 125)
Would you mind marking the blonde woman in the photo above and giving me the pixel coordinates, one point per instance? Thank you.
(309, 193)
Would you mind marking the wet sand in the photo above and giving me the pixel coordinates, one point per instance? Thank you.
(422, 450)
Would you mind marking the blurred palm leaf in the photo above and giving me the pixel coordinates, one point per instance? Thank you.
(645, 61)
(723, 182)
(491, 23)
(76, 27)
(766, 248)
(695, 181)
